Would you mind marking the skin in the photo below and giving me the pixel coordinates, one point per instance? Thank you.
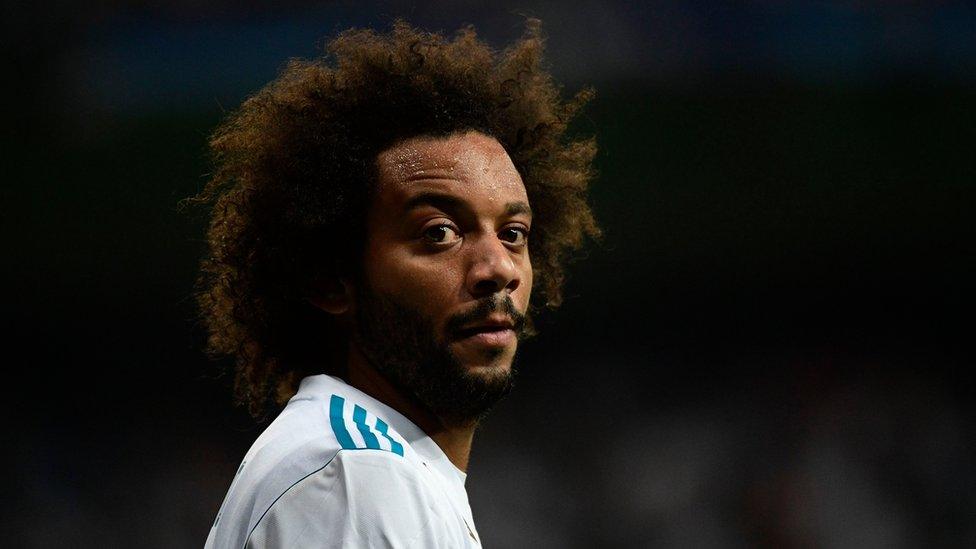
(448, 225)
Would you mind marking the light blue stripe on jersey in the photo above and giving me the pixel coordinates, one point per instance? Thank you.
(336, 407)
(395, 446)
(338, 423)
(359, 416)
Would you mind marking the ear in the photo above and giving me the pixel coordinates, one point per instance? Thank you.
(333, 295)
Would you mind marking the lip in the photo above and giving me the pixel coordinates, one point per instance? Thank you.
(494, 322)
(491, 336)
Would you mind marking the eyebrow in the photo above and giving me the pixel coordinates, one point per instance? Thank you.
(438, 200)
(520, 207)
(449, 202)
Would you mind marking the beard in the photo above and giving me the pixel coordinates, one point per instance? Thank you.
(402, 345)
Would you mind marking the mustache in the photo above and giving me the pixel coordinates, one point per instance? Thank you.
(483, 309)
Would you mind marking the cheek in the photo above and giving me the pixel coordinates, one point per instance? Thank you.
(424, 284)
(527, 279)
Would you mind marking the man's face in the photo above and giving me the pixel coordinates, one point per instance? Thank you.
(447, 276)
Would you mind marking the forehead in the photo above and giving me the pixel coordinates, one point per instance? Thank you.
(471, 164)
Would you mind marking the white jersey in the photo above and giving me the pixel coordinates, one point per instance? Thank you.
(338, 468)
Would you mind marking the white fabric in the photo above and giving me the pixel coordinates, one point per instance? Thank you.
(298, 486)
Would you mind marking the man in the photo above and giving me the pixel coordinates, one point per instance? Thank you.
(371, 267)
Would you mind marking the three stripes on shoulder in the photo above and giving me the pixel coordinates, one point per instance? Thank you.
(370, 431)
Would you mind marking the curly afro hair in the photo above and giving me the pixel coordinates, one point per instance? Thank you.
(294, 165)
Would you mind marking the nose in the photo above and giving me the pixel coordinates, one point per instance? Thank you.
(492, 268)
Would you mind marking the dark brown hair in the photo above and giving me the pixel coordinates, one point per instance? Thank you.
(294, 164)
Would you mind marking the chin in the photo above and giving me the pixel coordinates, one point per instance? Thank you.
(487, 358)
(493, 372)
(491, 369)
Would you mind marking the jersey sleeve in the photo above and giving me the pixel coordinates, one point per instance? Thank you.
(361, 498)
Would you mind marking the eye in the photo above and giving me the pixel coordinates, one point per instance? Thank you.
(441, 234)
(515, 235)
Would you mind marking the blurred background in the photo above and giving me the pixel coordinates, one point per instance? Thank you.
(772, 347)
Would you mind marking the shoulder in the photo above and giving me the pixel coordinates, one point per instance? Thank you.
(326, 437)
(361, 498)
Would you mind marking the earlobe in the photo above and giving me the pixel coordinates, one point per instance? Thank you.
(333, 296)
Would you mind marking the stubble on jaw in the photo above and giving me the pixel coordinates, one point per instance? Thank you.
(402, 345)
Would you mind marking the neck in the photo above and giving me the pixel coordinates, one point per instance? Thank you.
(454, 438)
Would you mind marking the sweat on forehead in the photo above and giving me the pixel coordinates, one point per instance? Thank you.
(449, 156)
